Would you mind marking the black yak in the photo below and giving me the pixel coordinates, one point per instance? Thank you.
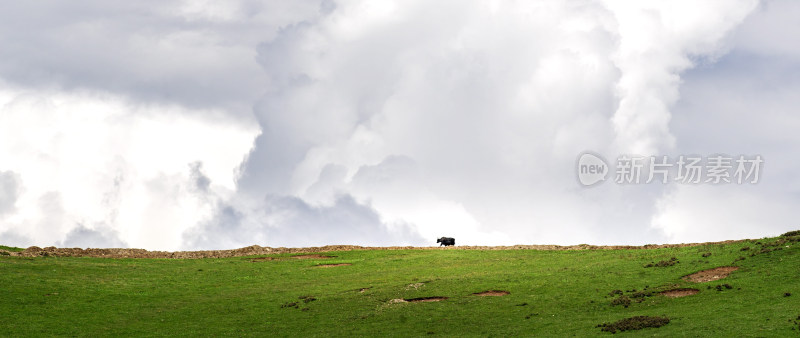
(446, 241)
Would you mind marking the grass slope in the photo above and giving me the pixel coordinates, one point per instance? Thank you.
(552, 293)
(10, 248)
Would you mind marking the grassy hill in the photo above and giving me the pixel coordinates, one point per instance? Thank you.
(377, 292)
(10, 248)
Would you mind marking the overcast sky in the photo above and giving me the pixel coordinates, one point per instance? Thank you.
(219, 124)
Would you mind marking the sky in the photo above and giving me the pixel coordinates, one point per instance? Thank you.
(186, 125)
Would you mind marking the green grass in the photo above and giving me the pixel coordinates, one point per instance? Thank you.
(552, 293)
(10, 248)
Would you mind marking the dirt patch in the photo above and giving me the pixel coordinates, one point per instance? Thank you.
(676, 293)
(492, 293)
(262, 259)
(634, 323)
(711, 274)
(312, 256)
(425, 299)
(332, 265)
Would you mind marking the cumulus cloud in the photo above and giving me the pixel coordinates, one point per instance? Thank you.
(290, 221)
(752, 113)
(83, 237)
(100, 159)
(468, 126)
(9, 191)
(194, 53)
(656, 43)
(186, 124)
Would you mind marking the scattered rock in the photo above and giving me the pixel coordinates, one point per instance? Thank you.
(711, 274)
(707, 254)
(415, 286)
(787, 294)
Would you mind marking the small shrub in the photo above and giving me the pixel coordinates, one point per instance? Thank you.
(724, 287)
(791, 233)
(621, 300)
(662, 264)
(634, 323)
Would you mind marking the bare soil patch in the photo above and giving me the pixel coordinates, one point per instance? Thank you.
(711, 274)
(490, 293)
(312, 256)
(425, 299)
(262, 259)
(676, 293)
(332, 265)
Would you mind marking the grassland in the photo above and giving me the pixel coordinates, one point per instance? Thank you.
(550, 293)
(10, 248)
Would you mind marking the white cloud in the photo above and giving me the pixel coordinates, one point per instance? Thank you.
(490, 102)
(98, 159)
(380, 122)
(715, 213)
